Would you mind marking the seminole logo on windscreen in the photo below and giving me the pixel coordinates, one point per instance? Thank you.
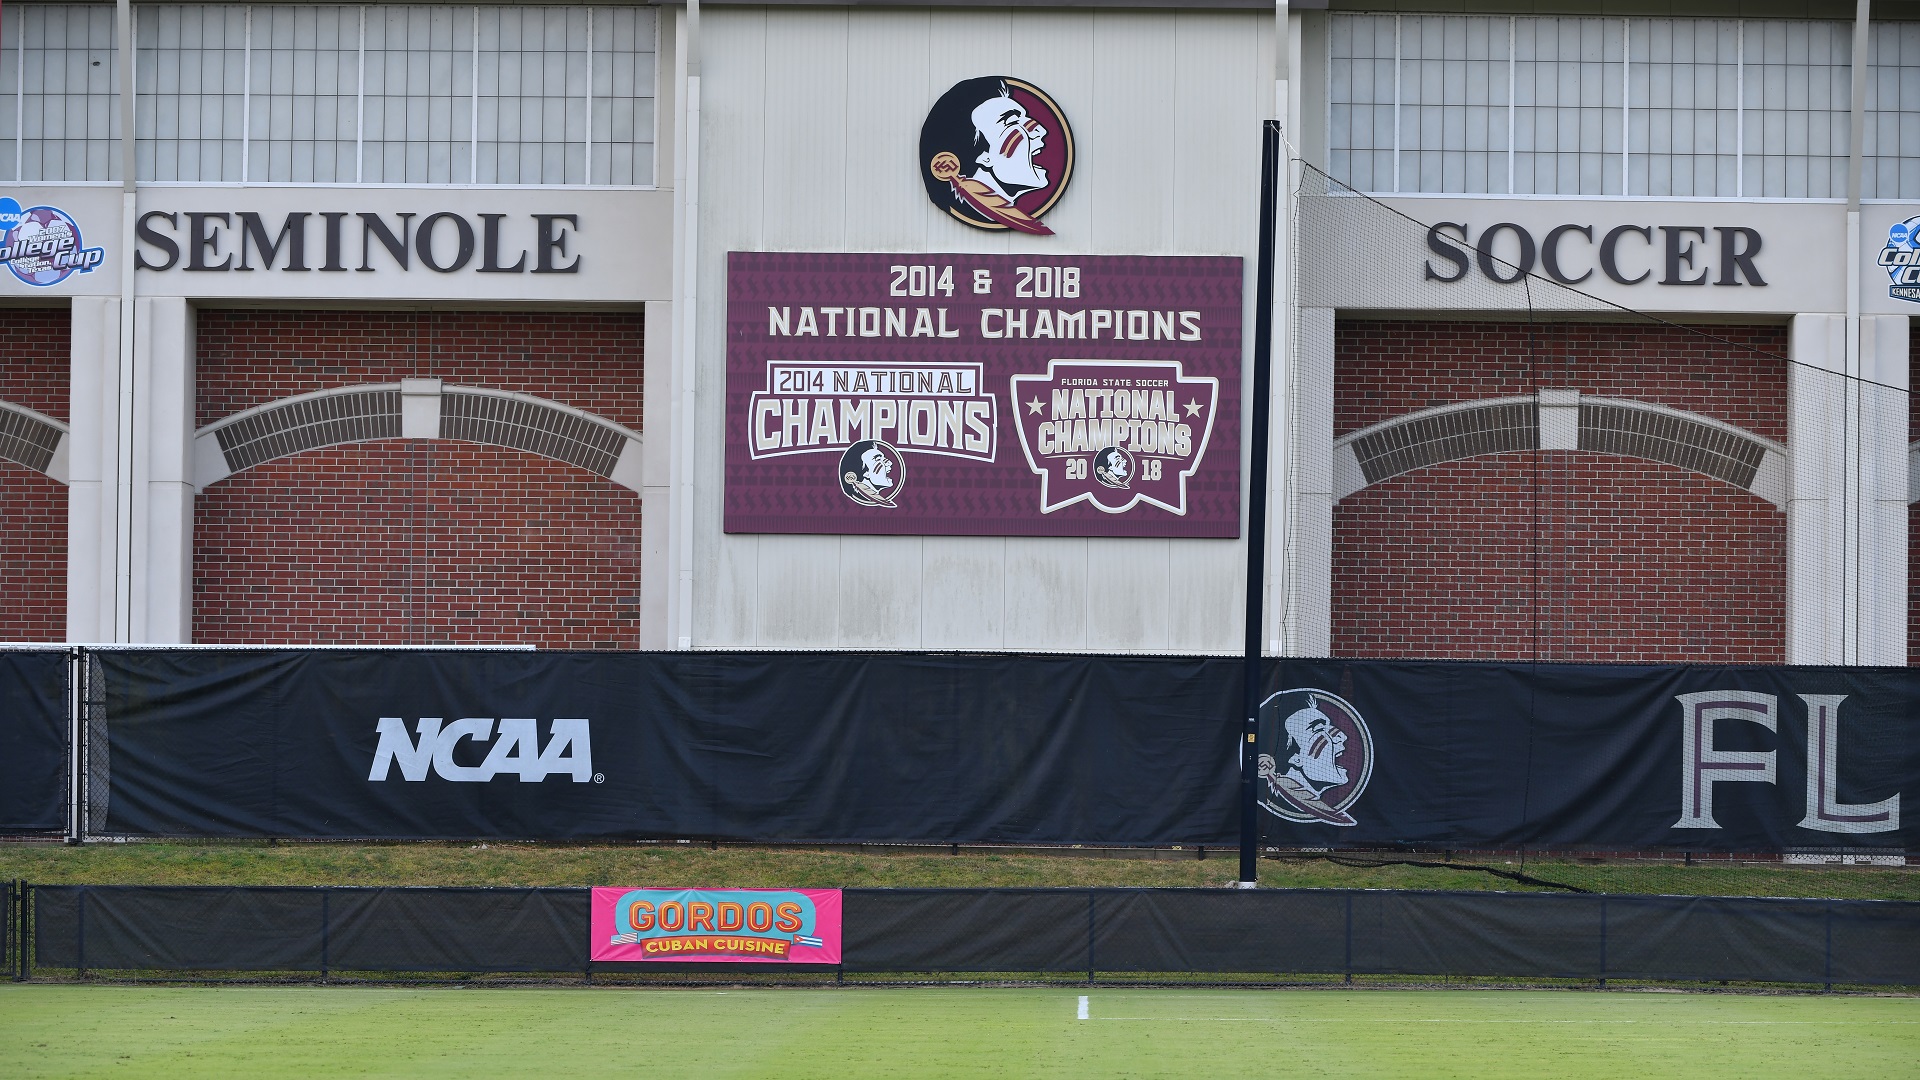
(1316, 756)
(1114, 433)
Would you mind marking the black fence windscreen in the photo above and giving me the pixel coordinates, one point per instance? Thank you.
(1083, 932)
(1620, 756)
(1007, 749)
(998, 749)
(33, 741)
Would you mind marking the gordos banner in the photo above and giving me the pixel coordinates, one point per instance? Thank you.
(835, 747)
(780, 926)
(991, 395)
(1670, 757)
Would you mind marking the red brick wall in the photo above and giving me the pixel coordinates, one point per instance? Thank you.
(1559, 555)
(418, 541)
(33, 508)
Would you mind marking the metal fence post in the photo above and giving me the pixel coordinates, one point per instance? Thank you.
(1090, 896)
(76, 734)
(1349, 956)
(326, 933)
(81, 933)
(1603, 942)
(1828, 969)
(28, 927)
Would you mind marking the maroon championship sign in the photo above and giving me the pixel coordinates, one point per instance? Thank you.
(983, 395)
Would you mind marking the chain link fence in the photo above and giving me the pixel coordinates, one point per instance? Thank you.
(147, 933)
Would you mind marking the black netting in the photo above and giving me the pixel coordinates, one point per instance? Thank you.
(1540, 936)
(458, 929)
(966, 930)
(1269, 935)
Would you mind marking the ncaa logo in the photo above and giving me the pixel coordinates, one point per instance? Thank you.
(996, 153)
(1316, 756)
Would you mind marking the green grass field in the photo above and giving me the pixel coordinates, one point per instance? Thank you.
(692, 865)
(849, 1034)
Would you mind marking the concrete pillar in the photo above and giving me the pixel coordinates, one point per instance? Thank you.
(656, 480)
(1308, 545)
(161, 607)
(93, 454)
(1884, 363)
(1846, 493)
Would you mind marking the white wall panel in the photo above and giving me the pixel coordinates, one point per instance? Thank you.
(1127, 595)
(799, 585)
(886, 87)
(811, 130)
(733, 89)
(805, 141)
(1046, 592)
(878, 591)
(964, 605)
(1129, 166)
(1206, 595)
(1215, 149)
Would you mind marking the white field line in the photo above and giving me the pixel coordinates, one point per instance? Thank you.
(1382, 1020)
(1083, 1007)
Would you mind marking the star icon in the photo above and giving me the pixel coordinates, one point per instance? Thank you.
(1192, 407)
(1033, 407)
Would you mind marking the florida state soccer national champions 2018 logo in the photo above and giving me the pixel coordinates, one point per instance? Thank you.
(1114, 433)
(1316, 756)
(996, 153)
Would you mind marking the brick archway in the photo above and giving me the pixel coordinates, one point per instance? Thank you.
(1560, 420)
(419, 409)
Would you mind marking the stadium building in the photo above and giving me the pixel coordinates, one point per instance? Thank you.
(929, 326)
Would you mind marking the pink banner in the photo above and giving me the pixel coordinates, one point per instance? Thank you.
(762, 926)
(984, 395)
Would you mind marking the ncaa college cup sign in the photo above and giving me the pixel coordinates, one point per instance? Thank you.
(984, 395)
(781, 926)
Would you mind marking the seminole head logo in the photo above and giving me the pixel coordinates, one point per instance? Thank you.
(1316, 757)
(996, 152)
(873, 474)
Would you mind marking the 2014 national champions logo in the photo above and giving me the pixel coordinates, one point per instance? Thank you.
(996, 153)
(1316, 756)
(1901, 259)
(42, 244)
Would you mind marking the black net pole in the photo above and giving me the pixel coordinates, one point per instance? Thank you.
(1270, 162)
